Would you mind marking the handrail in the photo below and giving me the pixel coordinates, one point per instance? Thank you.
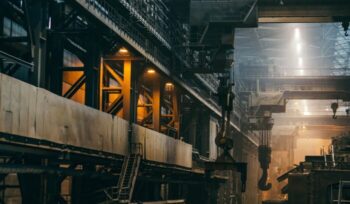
(110, 12)
(137, 149)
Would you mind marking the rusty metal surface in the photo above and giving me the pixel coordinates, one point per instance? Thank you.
(17, 102)
(39, 114)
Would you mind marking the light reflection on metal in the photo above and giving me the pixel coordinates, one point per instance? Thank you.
(297, 33)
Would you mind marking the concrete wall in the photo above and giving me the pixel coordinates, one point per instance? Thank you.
(37, 113)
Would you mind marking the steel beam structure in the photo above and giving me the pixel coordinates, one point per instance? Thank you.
(318, 12)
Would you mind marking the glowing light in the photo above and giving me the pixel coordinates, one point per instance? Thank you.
(298, 48)
(296, 33)
(306, 108)
(151, 71)
(123, 50)
(169, 86)
(307, 113)
(301, 72)
(300, 62)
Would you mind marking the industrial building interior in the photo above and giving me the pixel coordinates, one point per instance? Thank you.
(175, 101)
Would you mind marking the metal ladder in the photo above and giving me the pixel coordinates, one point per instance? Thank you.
(340, 199)
(128, 177)
(123, 191)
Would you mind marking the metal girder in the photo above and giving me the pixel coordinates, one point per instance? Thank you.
(116, 106)
(75, 87)
(303, 13)
(16, 60)
(18, 145)
(317, 95)
(14, 39)
(39, 169)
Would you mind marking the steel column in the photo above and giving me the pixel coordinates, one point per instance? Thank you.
(156, 105)
(92, 65)
(55, 51)
(127, 89)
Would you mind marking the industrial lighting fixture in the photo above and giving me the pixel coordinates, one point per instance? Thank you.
(123, 50)
(151, 71)
(169, 86)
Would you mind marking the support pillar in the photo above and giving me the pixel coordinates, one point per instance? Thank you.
(92, 66)
(127, 90)
(193, 127)
(37, 21)
(156, 106)
(31, 185)
(55, 49)
(175, 103)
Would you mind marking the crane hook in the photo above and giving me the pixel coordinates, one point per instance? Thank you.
(264, 160)
(334, 107)
(262, 184)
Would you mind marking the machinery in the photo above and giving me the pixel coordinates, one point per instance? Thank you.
(224, 140)
(322, 178)
(264, 149)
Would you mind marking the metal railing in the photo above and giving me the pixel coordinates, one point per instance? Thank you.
(137, 149)
(111, 13)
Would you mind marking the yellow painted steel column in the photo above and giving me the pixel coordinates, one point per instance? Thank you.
(101, 84)
(126, 90)
(156, 105)
(175, 104)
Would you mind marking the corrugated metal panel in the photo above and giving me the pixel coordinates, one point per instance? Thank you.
(38, 113)
(17, 102)
(53, 118)
(120, 136)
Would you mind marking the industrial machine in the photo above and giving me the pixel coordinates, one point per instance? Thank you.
(321, 179)
(224, 138)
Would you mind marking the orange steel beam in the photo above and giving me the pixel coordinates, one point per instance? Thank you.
(126, 90)
(156, 104)
(176, 112)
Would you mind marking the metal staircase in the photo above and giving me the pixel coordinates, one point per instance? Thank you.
(128, 177)
(122, 193)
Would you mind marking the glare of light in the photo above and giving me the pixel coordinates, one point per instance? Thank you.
(306, 108)
(307, 113)
(169, 86)
(123, 50)
(298, 48)
(300, 62)
(151, 71)
(301, 72)
(296, 33)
